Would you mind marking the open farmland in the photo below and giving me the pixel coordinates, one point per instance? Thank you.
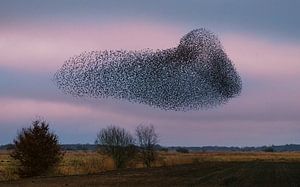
(207, 169)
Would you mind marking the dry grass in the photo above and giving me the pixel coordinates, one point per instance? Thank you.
(80, 162)
(7, 167)
(170, 159)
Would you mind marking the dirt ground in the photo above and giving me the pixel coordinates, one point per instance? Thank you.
(254, 173)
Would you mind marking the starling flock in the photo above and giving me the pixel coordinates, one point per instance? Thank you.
(197, 74)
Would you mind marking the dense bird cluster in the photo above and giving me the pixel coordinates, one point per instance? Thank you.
(195, 75)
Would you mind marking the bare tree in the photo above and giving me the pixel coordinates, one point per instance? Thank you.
(147, 140)
(37, 149)
(117, 143)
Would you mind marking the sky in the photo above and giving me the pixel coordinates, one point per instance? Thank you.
(262, 38)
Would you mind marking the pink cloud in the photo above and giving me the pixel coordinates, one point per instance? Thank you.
(46, 48)
(255, 56)
(186, 128)
(269, 106)
(14, 109)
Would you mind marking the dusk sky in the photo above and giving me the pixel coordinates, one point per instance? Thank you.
(262, 38)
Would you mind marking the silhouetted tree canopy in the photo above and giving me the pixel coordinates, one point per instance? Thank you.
(37, 149)
(117, 143)
(147, 139)
(182, 150)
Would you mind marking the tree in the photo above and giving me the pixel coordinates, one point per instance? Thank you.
(117, 143)
(36, 149)
(147, 140)
(269, 149)
(182, 150)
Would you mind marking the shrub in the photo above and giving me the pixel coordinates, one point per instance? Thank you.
(269, 149)
(182, 150)
(164, 149)
(147, 140)
(117, 143)
(36, 149)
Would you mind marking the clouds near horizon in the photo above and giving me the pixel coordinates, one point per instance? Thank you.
(31, 51)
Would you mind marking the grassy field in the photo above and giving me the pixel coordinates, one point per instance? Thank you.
(191, 169)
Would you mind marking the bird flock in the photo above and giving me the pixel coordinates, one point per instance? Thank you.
(197, 74)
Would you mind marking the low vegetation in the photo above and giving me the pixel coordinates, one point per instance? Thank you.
(117, 143)
(170, 168)
(147, 139)
(182, 150)
(90, 162)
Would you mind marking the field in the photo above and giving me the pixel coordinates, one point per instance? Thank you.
(171, 169)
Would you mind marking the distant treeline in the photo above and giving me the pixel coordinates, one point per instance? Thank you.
(273, 148)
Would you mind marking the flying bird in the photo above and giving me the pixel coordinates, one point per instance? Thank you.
(197, 74)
